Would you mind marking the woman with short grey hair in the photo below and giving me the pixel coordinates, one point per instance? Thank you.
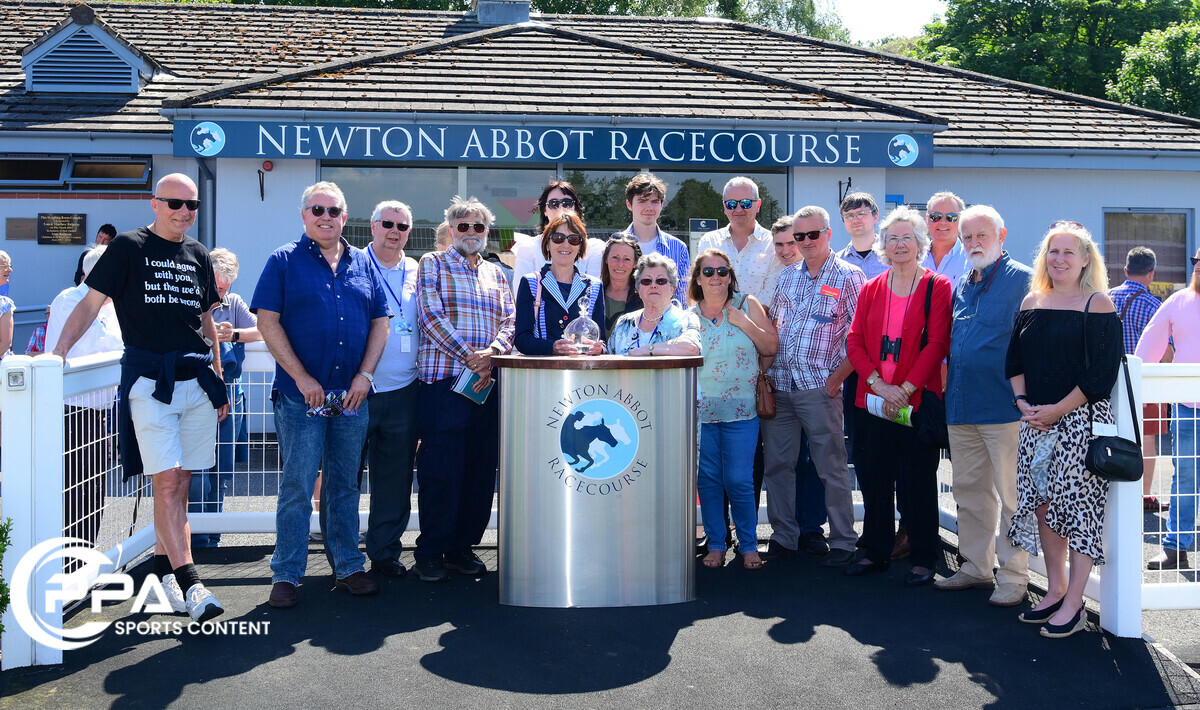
(920, 231)
(660, 327)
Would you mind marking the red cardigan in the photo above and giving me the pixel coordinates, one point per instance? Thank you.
(923, 368)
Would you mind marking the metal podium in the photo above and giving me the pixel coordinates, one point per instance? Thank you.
(597, 480)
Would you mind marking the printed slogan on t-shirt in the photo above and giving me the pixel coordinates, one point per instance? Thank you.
(172, 283)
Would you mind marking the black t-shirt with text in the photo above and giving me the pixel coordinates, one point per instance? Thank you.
(159, 289)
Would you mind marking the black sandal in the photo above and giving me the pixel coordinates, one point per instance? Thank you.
(1041, 615)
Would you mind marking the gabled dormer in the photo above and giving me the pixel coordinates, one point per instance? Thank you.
(83, 55)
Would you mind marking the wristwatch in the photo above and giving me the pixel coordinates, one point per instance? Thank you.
(1019, 397)
(872, 380)
(237, 336)
(369, 376)
(652, 349)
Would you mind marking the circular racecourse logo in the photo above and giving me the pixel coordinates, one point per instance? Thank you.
(599, 438)
(207, 139)
(903, 150)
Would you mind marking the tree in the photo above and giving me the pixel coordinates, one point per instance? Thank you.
(1072, 45)
(902, 46)
(799, 16)
(1162, 72)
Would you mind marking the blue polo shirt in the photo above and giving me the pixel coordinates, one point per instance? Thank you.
(325, 315)
(977, 392)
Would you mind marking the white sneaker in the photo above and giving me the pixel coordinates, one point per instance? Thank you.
(202, 605)
(174, 594)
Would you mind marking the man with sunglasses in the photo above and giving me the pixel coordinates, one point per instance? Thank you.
(645, 196)
(392, 428)
(946, 253)
(466, 317)
(812, 308)
(323, 315)
(162, 286)
(745, 242)
(980, 410)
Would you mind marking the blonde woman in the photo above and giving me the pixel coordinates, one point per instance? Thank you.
(1060, 391)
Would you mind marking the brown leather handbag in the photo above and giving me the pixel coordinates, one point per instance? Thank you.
(764, 394)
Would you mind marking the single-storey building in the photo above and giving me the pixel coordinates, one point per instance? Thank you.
(257, 102)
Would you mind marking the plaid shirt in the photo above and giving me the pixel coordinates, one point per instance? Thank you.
(675, 250)
(462, 309)
(813, 317)
(1142, 305)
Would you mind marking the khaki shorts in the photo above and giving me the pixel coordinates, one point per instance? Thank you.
(182, 434)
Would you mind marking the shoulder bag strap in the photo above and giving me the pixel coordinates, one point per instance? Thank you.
(928, 302)
(1128, 303)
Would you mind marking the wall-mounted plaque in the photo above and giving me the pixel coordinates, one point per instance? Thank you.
(20, 228)
(62, 228)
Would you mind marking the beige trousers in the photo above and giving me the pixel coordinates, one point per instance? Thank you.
(984, 459)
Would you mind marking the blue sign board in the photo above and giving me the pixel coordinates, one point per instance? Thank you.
(453, 143)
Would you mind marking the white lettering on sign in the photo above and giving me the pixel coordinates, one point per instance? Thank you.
(662, 146)
(424, 139)
(387, 138)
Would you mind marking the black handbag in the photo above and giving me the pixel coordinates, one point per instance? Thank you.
(1113, 457)
(931, 415)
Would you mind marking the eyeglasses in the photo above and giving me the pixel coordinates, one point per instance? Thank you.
(950, 217)
(721, 271)
(319, 211)
(1066, 223)
(572, 239)
(174, 203)
(479, 227)
(388, 224)
(857, 215)
(661, 281)
(906, 239)
(565, 202)
(813, 235)
(744, 204)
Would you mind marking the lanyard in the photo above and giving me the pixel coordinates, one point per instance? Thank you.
(637, 333)
(388, 286)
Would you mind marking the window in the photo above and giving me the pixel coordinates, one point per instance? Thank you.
(1163, 231)
(90, 174)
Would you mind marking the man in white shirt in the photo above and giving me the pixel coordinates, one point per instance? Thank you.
(946, 253)
(392, 427)
(645, 196)
(85, 430)
(747, 243)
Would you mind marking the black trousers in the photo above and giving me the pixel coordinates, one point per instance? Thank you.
(896, 461)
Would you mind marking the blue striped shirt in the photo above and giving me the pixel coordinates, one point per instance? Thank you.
(675, 250)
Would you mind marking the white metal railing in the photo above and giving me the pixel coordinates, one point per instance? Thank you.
(34, 391)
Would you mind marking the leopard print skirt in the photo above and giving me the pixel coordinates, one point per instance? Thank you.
(1075, 497)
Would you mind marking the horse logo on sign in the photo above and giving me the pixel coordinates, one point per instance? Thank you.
(598, 438)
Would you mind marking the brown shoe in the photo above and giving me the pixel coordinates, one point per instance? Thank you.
(358, 584)
(1169, 559)
(902, 548)
(283, 595)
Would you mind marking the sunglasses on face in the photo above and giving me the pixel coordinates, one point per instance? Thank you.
(950, 217)
(319, 211)
(721, 271)
(572, 239)
(1195, 260)
(555, 203)
(479, 227)
(661, 281)
(813, 235)
(1066, 223)
(174, 204)
(744, 204)
(388, 224)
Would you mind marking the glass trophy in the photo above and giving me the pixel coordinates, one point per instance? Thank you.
(583, 331)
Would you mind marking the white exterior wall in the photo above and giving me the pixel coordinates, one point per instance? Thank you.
(1031, 199)
(253, 227)
(819, 186)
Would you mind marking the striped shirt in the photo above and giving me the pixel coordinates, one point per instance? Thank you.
(462, 309)
(1141, 304)
(675, 250)
(755, 265)
(813, 317)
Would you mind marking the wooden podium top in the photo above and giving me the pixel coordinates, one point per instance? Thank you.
(597, 362)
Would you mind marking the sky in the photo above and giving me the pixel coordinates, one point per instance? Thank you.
(875, 19)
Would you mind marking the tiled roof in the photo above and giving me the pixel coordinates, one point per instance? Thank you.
(725, 70)
(533, 70)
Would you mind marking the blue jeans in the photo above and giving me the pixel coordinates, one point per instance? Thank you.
(335, 444)
(1181, 521)
(727, 467)
(207, 489)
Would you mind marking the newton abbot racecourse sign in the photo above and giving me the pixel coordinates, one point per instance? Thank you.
(539, 144)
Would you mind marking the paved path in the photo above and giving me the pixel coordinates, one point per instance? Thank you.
(792, 635)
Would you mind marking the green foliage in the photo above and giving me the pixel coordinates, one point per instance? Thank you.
(902, 46)
(799, 16)
(1162, 72)
(1072, 45)
(5, 540)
